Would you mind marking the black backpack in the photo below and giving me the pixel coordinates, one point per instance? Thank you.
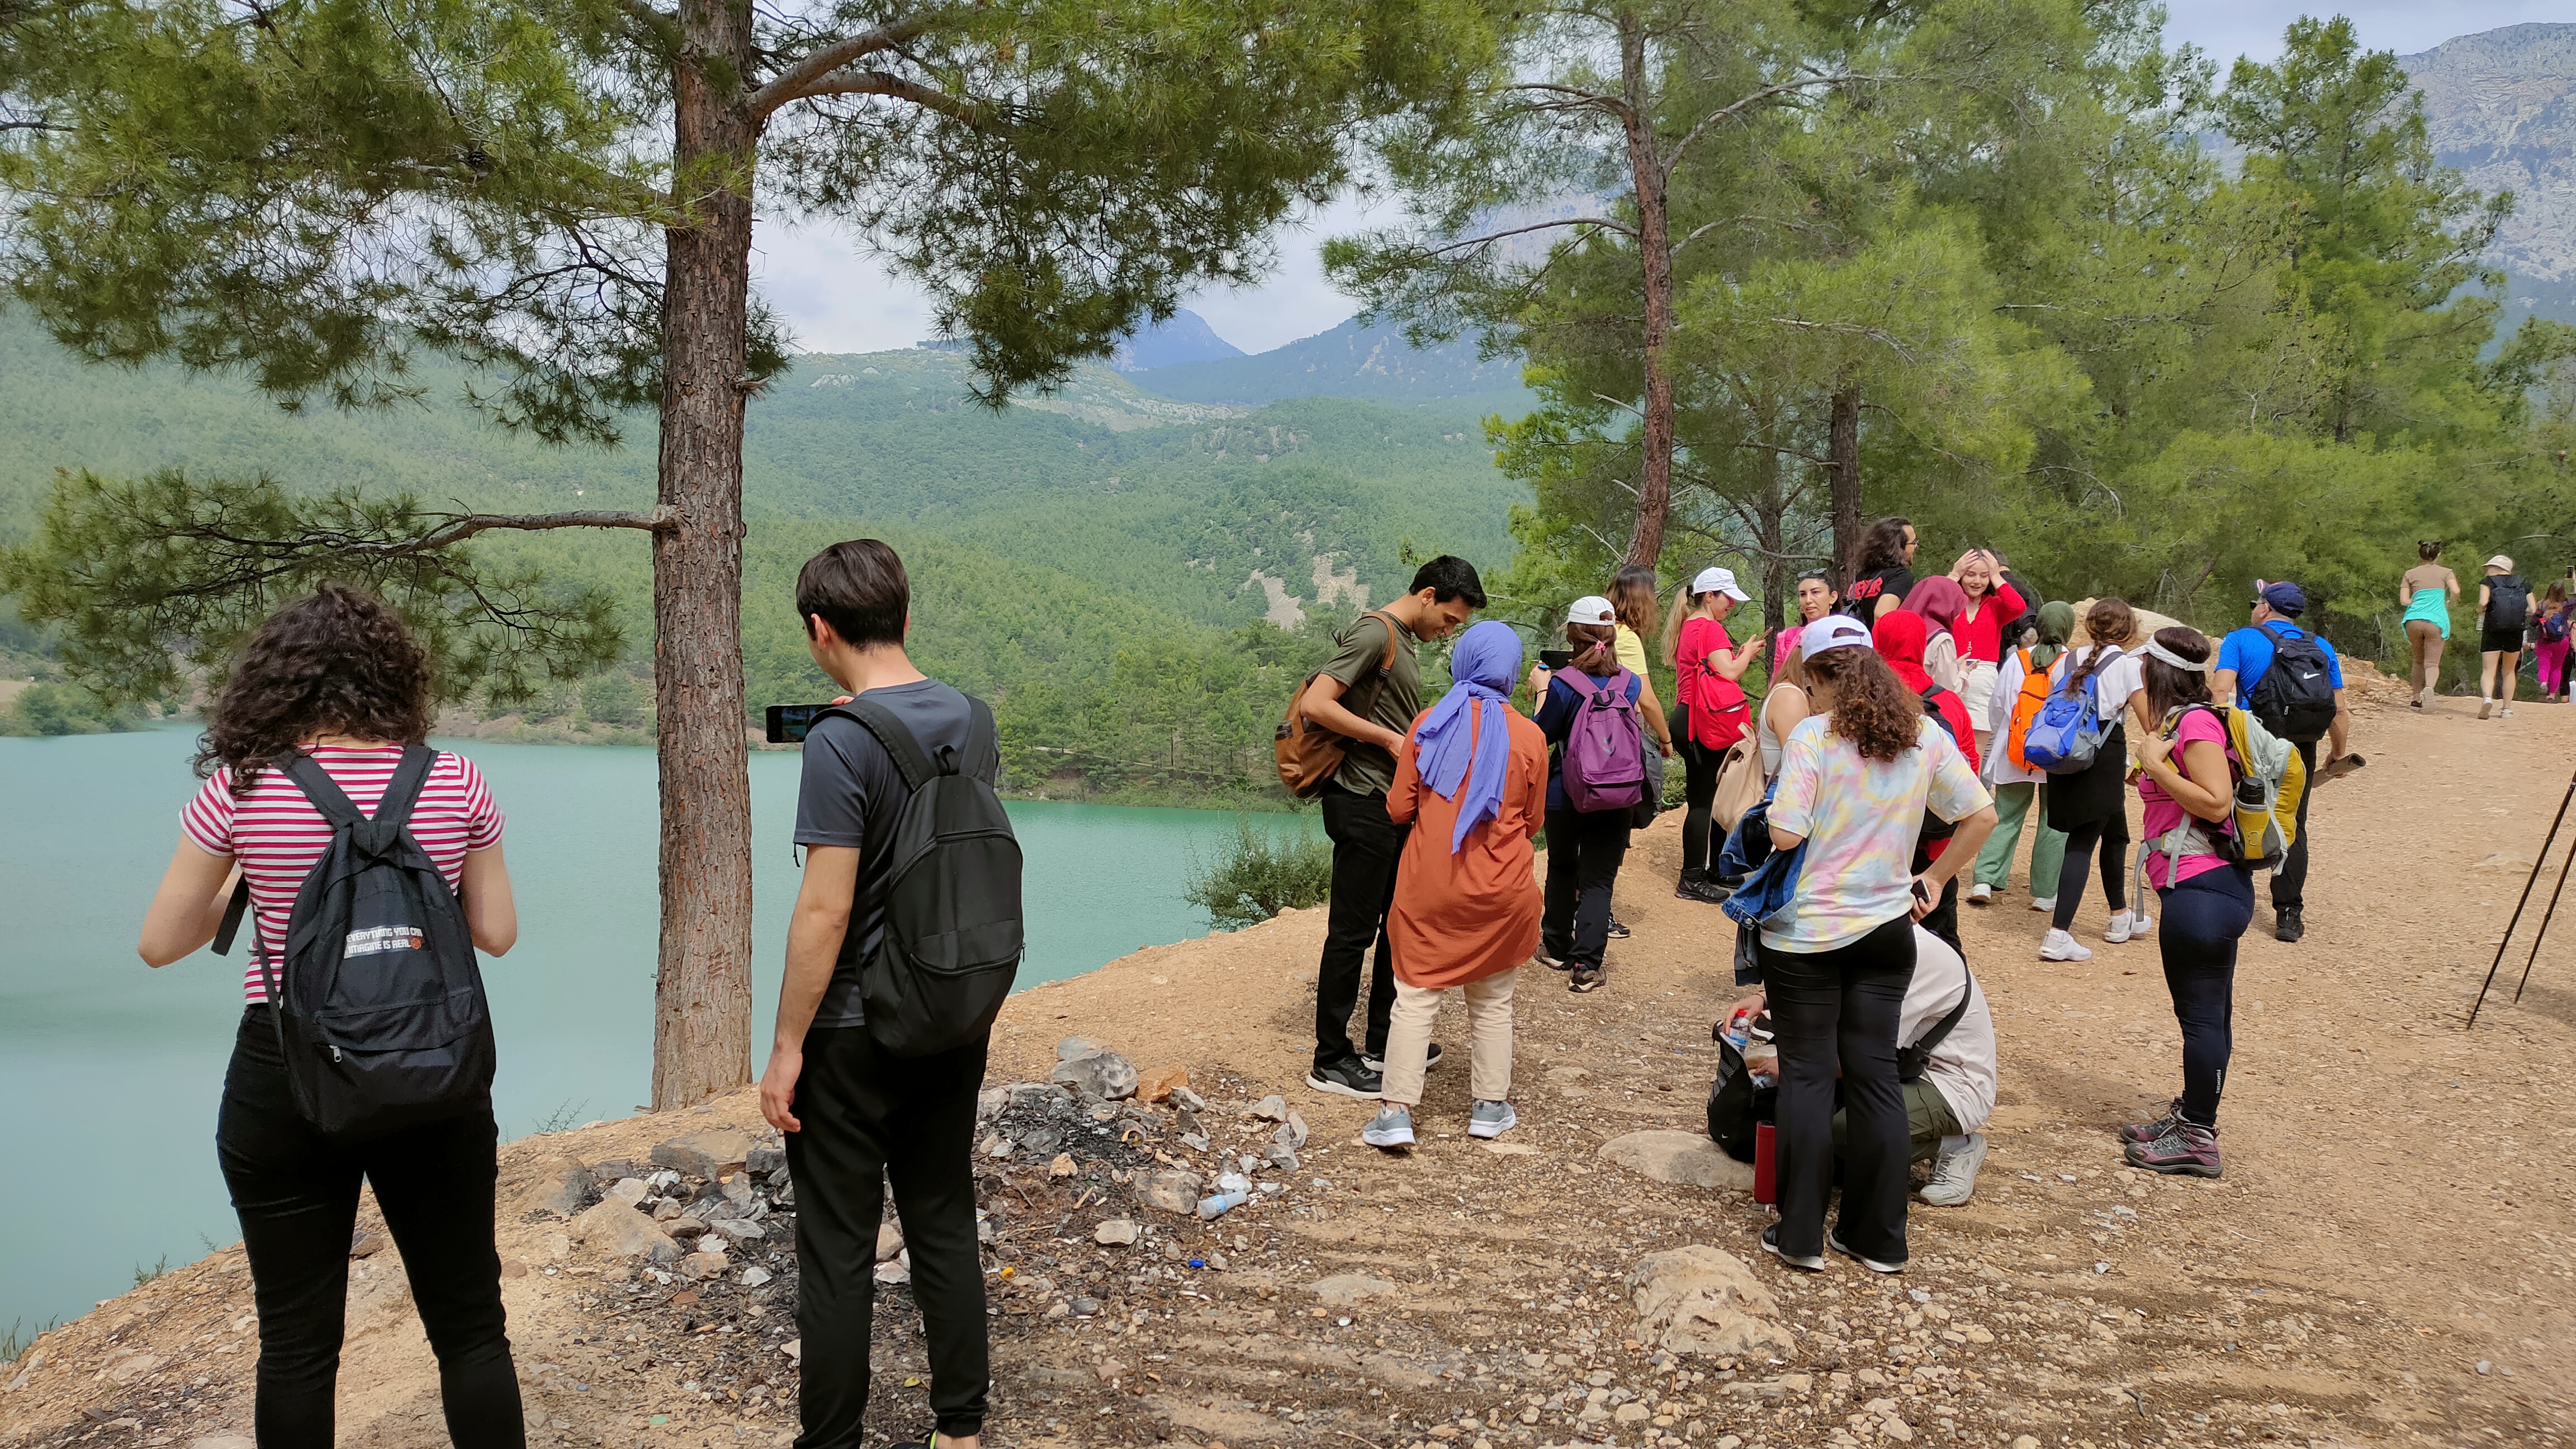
(953, 936)
(380, 1012)
(2508, 602)
(1934, 827)
(2295, 697)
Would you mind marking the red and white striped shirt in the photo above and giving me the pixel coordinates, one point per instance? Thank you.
(279, 837)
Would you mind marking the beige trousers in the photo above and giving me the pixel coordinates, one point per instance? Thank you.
(1489, 1025)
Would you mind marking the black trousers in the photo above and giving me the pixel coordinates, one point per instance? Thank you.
(1366, 845)
(2290, 887)
(1584, 849)
(2113, 836)
(297, 1197)
(1836, 1012)
(2205, 918)
(1699, 798)
(868, 1118)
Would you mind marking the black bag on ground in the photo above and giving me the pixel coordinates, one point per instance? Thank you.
(953, 930)
(379, 1002)
(2295, 697)
(1735, 1105)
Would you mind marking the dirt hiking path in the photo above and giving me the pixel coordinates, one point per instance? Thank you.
(2388, 1260)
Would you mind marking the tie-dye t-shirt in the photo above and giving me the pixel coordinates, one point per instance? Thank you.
(1859, 817)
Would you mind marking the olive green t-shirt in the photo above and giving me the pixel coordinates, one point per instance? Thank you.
(1366, 769)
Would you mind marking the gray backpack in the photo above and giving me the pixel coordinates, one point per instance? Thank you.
(953, 931)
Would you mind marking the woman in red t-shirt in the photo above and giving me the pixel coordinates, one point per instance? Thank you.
(338, 677)
(1993, 606)
(1706, 667)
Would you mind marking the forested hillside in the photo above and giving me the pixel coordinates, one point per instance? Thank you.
(1132, 579)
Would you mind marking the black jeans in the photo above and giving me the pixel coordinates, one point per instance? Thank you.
(1584, 849)
(2205, 917)
(2290, 887)
(1837, 1012)
(1365, 847)
(297, 1197)
(2113, 836)
(868, 1117)
(1699, 796)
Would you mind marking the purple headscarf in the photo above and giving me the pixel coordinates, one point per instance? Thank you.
(1485, 664)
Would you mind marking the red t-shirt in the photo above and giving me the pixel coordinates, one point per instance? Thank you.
(1982, 637)
(2163, 812)
(1716, 703)
(278, 836)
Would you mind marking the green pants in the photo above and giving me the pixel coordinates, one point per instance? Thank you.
(2014, 803)
(1928, 1119)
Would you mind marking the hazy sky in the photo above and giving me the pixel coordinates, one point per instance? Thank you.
(838, 300)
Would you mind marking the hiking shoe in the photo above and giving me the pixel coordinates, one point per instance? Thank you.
(1701, 889)
(1981, 894)
(2150, 1131)
(2189, 1150)
(1954, 1174)
(1551, 960)
(1586, 979)
(2505, 713)
(2286, 925)
(1771, 1244)
(1377, 1064)
(1492, 1119)
(2059, 946)
(1391, 1128)
(1835, 1242)
(2043, 904)
(1618, 932)
(1349, 1077)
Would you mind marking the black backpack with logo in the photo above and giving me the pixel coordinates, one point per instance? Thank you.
(953, 929)
(2508, 602)
(379, 1002)
(2295, 697)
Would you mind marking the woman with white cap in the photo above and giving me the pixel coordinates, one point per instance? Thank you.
(1855, 780)
(1585, 846)
(1707, 668)
(2504, 611)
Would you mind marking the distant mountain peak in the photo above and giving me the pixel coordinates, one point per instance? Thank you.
(1186, 338)
(2501, 106)
(1356, 359)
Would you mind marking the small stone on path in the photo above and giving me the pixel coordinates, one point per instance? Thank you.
(704, 1154)
(1688, 1158)
(1115, 1233)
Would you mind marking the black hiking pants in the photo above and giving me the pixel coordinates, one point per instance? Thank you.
(2290, 887)
(869, 1117)
(297, 1197)
(1835, 1015)
(1366, 846)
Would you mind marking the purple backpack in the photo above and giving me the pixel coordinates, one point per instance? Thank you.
(1605, 753)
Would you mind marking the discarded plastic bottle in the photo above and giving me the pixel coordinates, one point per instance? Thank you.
(1221, 1204)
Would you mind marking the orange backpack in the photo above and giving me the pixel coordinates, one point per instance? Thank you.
(2026, 706)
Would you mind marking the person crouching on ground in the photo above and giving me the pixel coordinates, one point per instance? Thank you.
(1953, 1090)
(1472, 780)
(1855, 779)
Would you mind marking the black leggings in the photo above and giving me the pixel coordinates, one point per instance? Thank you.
(1837, 1012)
(1699, 794)
(2113, 836)
(297, 1197)
(2205, 917)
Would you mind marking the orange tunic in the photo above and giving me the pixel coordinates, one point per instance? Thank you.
(1463, 917)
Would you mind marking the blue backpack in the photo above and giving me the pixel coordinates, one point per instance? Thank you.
(2066, 734)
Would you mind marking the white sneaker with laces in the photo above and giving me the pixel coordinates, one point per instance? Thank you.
(1954, 1174)
(2059, 946)
(1391, 1128)
(1980, 893)
(2043, 904)
(2118, 929)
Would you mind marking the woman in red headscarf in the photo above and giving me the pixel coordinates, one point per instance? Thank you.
(1900, 636)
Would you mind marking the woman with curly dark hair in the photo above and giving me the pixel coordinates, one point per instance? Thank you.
(1882, 570)
(336, 677)
(1856, 777)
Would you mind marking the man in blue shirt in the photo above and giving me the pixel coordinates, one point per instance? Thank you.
(2244, 657)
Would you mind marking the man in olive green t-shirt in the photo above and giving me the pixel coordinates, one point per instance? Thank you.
(1365, 842)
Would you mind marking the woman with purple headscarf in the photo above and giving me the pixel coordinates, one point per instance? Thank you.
(1472, 782)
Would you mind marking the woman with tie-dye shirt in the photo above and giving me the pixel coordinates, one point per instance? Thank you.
(1855, 779)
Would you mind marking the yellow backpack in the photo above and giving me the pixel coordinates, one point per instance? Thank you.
(2269, 780)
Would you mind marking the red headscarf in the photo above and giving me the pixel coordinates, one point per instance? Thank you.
(1940, 601)
(1899, 635)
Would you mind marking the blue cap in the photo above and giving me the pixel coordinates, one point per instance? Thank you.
(2285, 598)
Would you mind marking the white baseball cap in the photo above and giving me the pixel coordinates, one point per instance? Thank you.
(1834, 631)
(2501, 562)
(1591, 609)
(1720, 581)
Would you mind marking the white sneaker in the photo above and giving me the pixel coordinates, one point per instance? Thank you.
(2486, 706)
(1980, 894)
(1391, 1128)
(2059, 946)
(1954, 1174)
(2043, 904)
(2505, 713)
(2126, 925)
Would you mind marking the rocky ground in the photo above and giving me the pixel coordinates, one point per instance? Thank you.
(2386, 1262)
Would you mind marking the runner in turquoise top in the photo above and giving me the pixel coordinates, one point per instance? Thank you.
(2427, 591)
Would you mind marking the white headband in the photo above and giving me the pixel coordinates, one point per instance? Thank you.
(2160, 653)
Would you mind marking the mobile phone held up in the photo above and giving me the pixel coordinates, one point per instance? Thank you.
(789, 722)
(1555, 659)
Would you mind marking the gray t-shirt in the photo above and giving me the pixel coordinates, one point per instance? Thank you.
(852, 795)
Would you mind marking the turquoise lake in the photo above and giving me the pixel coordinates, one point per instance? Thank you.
(110, 1071)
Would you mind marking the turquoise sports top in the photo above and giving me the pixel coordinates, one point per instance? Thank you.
(2433, 604)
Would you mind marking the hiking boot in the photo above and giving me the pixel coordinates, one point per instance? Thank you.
(1391, 1128)
(1954, 1174)
(2059, 946)
(1814, 1263)
(1587, 979)
(1350, 1077)
(2150, 1131)
(1835, 1242)
(2286, 925)
(2043, 904)
(1551, 960)
(1377, 1064)
(1702, 889)
(1618, 932)
(1492, 1119)
(2189, 1150)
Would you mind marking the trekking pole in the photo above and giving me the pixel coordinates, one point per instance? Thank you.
(2545, 845)
(2542, 932)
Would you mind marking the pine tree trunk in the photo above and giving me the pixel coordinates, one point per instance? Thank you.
(1655, 255)
(1842, 467)
(702, 991)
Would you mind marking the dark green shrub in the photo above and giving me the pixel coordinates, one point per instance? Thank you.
(1261, 872)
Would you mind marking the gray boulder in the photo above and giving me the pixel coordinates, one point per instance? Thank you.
(704, 1154)
(559, 1186)
(1103, 1074)
(1705, 1300)
(619, 1230)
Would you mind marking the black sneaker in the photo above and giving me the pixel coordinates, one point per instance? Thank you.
(1703, 890)
(2286, 924)
(1349, 1077)
(1377, 1064)
(1618, 932)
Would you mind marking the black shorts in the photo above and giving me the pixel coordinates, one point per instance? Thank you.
(2500, 641)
